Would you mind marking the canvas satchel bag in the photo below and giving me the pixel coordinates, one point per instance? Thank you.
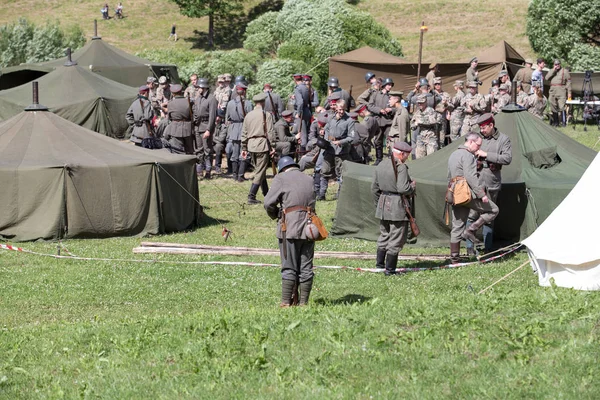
(459, 191)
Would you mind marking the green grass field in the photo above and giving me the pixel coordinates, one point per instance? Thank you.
(113, 329)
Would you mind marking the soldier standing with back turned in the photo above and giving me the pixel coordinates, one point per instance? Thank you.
(205, 116)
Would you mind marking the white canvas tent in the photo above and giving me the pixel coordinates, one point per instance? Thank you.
(566, 247)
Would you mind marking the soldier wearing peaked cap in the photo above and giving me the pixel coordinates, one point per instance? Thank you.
(432, 74)
(205, 122)
(179, 133)
(472, 72)
(494, 153)
(400, 127)
(139, 116)
(273, 104)
(379, 106)
(286, 134)
(391, 181)
(237, 109)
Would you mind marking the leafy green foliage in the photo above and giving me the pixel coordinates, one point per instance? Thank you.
(278, 73)
(565, 29)
(24, 42)
(261, 34)
(585, 57)
(203, 8)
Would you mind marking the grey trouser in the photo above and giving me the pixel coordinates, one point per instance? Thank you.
(261, 162)
(187, 143)
(332, 165)
(299, 260)
(203, 149)
(233, 149)
(283, 148)
(488, 211)
(307, 160)
(392, 236)
(492, 195)
(381, 135)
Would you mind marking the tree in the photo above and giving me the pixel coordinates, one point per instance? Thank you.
(213, 9)
(565, 29)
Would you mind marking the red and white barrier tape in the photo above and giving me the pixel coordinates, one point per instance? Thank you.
(255, 264)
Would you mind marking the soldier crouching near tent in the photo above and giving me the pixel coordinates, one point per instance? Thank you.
(462, 166)
(290, 198)
(390, 183)
(495, 151)
(139, 116)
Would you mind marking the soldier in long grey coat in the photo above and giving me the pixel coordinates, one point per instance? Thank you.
(379, 106)
(179, 112)
(236, 112)
(139, 116)
(339, 132)
(257, 129)
(290, 198)
(462, 164)
(303, 113)
(495, 152)
(390, 182)
(273, 104)
(205, 116)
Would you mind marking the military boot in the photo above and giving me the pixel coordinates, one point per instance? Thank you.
(316, 182)
(378, 155)
(264, 187)
(322, 188)
(380, 258)
(488, 238)
(305, 289)
(469, 233)
(199, 170)
(234, 170)
(454, 252)
(252, 195)
(241, 171)
(207, 167)
(218, 160)
(287, 290)
(554, 121)
(391, 261)
(564, 118)
(229, 167)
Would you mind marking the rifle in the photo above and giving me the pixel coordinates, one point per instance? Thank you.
(275, 113)
(407, 206)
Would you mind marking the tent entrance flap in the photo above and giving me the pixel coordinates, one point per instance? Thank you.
(544, 158)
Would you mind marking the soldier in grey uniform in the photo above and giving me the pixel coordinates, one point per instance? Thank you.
(285, 140)
(462, 164)
(314, 157)
(457, 114)
(313, 95)
(302, 107)
(495, 151)
(290, 198)
(205, 115)
(536, 102)
(390, 182)
(472, 72)
(139, 116)
(370, 125)
(273, 104)
(379, 106)
(424, 125)
(333, 85)
(179, 133)
(257, 129)
(219, 142)
(339, 132)
(236, 112)
(372, 87)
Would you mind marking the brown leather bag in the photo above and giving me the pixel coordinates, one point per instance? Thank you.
(459, 192)
(313, 219)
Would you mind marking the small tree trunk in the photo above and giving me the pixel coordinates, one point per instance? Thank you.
(211, 30)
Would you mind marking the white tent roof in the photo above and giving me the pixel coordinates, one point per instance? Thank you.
(566, 246)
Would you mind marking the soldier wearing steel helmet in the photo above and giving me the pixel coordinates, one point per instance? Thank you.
(333, 86)
(379, 106)
(205, 116)
(372, 88)
(290, 199)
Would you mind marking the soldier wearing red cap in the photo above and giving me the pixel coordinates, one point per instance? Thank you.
(391, 181)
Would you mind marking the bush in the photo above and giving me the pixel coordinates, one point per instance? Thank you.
(585, 57)
(277, 72)
(24, 42)
(262, 36)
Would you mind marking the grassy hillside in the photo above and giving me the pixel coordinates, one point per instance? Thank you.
(458, 29)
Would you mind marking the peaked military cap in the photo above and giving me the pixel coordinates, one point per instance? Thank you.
(287, 113)
(436, 80)
(322, 119)
(335, 95)
(502, 73)
(144, 88)
(360, 108)
(175, 88)
(485, 119)
(401, 145)
(162, 80)
(267, 85)
(472, 84)
(307, 77)
(397, 93)
(474, 59)
(259, 97)
(432, 65)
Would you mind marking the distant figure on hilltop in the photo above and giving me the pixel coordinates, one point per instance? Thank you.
(119, 11)
(173, 34)
(104, 11)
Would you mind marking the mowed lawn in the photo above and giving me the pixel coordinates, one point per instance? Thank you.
(167, 329)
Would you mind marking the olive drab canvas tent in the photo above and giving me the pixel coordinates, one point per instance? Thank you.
(572, 260)
(99, 57)
(546, 165)
(60, 180)
(78, 95)
(350, 68)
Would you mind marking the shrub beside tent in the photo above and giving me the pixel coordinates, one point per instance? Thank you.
(565, 247)
(546, 166)
(63, 181)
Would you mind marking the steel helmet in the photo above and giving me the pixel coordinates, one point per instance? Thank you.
(240, 78)
(285, 162)
(368, 76)
(387, 81)
(423, 82)
(333, 81)
(202, 83)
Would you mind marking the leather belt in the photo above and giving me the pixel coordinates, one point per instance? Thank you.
(557, 84)
(391, 193)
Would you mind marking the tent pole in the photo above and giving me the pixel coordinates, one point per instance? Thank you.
(423, 29)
